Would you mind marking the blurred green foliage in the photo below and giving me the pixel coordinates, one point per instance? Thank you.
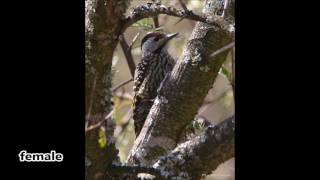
(146, 24)
(102, 137)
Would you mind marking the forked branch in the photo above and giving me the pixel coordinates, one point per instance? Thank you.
(154, 9)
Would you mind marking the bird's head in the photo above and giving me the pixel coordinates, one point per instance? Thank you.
(155, 41)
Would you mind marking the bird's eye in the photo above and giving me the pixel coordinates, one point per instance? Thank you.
(156, 39)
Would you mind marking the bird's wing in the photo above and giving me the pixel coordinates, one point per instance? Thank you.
(141, 72)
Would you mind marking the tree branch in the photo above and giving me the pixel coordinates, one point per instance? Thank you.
(225, 7)
(122, 84)
(97, 124)
(127, 52)
(131, 172)
(192, 159)
(156, 18)
(184, 7)
(102, 28)
(223, 49)
(201, 155)
(154, 9)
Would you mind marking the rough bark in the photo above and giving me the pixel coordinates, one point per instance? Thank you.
(154, 9)
(182, 92)
(103, 27)
(179, 98)
(192, 159)
(200, 156)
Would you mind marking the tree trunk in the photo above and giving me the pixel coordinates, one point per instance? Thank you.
(103, 27)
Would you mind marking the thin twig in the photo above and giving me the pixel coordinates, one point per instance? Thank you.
(156, 21)
(98, 124)
(184, 7)
(127, 52)
(134, 40)
(159, 28)
(225, 8)
(121, 84)
(156, 18)
(223, 49)
(86, 126)
(179, 21)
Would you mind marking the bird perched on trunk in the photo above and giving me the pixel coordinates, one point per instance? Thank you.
(156, 62)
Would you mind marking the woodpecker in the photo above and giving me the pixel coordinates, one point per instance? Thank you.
(156, 62)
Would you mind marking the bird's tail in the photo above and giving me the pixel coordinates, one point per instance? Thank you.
(140, 112)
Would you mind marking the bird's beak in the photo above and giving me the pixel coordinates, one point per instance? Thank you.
(170, 36)
(166, 39)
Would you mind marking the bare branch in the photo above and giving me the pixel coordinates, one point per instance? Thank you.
(156, 22)
(184, 7)
(223, 49)
(200, 155)
(98, 124)
(122, 84)
(225, 7)
(153, 10)
(134, 40)
(156, 18)
(127, 52)
(192, 159)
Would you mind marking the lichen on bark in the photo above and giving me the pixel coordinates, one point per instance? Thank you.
(103, 27)
(199, 156)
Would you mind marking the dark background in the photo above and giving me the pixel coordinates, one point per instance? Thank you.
(42, 87)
